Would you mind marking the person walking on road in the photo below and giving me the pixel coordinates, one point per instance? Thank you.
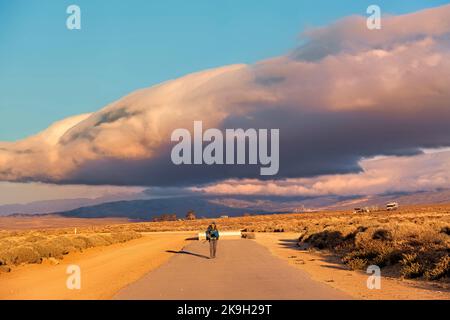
(212, 235)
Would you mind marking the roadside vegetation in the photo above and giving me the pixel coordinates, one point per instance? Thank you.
(408, 245)
(18, 248)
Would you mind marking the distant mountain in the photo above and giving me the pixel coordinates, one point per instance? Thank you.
(232, 206)
(40, 207)
(148, 209)
(50, 206)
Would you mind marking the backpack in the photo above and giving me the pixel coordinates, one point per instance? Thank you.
(214, 234)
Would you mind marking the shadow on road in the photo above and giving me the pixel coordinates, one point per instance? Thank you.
(326, 256)
(289, 243)
(189, 253)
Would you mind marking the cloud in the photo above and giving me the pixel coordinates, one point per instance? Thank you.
(346, 94)
(350, 36)
(425, 172)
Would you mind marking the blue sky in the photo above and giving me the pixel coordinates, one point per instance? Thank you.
(48, 72)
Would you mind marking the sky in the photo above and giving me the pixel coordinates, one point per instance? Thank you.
(72, 123)
(48, 72)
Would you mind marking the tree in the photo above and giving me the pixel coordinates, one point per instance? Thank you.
(190, 215)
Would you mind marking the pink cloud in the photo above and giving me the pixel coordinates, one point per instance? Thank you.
(425, 172)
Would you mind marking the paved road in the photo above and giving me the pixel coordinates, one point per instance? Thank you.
(243, 270)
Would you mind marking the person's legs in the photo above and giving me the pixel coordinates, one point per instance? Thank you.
(211, 248)
(215, 248)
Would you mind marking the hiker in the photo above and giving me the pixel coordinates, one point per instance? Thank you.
(212, 235)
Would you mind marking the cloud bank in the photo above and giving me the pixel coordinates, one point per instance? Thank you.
(345, 95)
(425, 172)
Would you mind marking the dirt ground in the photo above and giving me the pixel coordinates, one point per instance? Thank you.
(327, 269)
(104, 270)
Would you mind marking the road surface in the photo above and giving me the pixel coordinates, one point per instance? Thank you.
(243, 270)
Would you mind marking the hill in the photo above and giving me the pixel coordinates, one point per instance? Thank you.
(148, 209)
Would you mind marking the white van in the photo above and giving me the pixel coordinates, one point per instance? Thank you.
(392, 206)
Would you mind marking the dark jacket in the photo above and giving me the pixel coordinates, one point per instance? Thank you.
(212, 234)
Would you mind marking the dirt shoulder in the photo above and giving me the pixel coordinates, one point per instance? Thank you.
(104, 270)
(327, 269)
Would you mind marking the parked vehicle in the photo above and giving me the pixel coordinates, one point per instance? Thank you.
(392, 206)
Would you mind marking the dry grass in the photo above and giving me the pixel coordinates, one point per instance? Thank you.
(409, 243)
(32, 247)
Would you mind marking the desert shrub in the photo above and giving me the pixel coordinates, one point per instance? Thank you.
(382, 234)
(98, 240)
(32, 247)
(44, 250)
(325, 239)
(52, 248)
(58, 246)
(79, 243)
(387, 256)
(383, 253)
(34, 238)
(358, 230)
(440, 270)
(446, 230)
(8, 243)
(361, 254)
(63, 241)
(85, 241)
(365, 250)
(125, 236)
(21, 254)
(358, 264)
(411, 268)
(108, 238)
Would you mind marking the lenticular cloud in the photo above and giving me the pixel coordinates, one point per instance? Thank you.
(346, 94)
